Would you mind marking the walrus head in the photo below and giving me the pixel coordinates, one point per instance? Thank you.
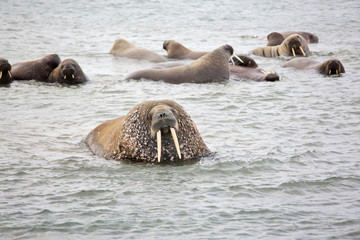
(244, 61)
(309, 37)
(332, 67)
(296, 45)
(70, 72)
(159, 131)
(5, 74)
(275, 38)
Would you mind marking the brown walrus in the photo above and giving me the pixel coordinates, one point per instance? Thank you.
(37, 69)
(178, 51)
(123, 48)
(158, 130)
(5, 74)
(276, 38)
(68, 72)
(294, 45)
(212, 67)
(248, 69)
(329, 67)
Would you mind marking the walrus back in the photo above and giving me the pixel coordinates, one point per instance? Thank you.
(104, 139)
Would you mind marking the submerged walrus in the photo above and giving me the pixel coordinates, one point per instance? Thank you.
(5, 74)
(178, 51)
(329, 67)
(212, 67)
(68, 72)
(276, 38)
(294, 45)
(248, 69)
(158, 130)
(123, 48)
(37, 69)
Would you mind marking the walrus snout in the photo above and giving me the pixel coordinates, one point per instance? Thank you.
(272, 77)
(163, 121)
(245, 61)
(5, 74)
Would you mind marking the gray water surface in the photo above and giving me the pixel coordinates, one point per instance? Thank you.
(286, 154)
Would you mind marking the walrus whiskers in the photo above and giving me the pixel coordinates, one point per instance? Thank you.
(237, 57)
(176, 142)
(293, 51)
(302, 51)
(263, 72)
(158, 136)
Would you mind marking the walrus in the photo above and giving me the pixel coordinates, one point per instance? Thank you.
(329, 67)
(68, 72)
(212, 67)
(38, 69)
(276, 38)
(5, 74)
(178, 51)
(294, 45)
(248, 69)
(123, 48)
(309, 37)
(152, 131)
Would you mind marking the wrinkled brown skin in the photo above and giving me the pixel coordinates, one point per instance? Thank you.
(5, 69)
(129, 137)
(178, 51)
(212, 67)
(328, 67)
(123, 48)
(37, 69)
(284, 49)
(68, 68)
(276, 38)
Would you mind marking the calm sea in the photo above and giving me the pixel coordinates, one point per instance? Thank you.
(286, 162)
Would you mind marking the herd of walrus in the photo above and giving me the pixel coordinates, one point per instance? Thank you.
(160, 130)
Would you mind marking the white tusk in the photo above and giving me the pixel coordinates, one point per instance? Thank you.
(302, 51)
(158, 135)
(263, 72)
(293, 51)
(232, 61)
(64, 76)
(0, 75)
(173, 133)
(337, 71)
(270, 70)
(237, 57)
(9, 73)
(329, 71)
(73, 76)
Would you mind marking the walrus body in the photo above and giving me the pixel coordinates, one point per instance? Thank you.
(5, 74)
(123, 48)
(68, 72)
(276, 38)
(146, 134)
(329, 67)
(212, 67)
(37, 69)
(294, 45)
(178, 51)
